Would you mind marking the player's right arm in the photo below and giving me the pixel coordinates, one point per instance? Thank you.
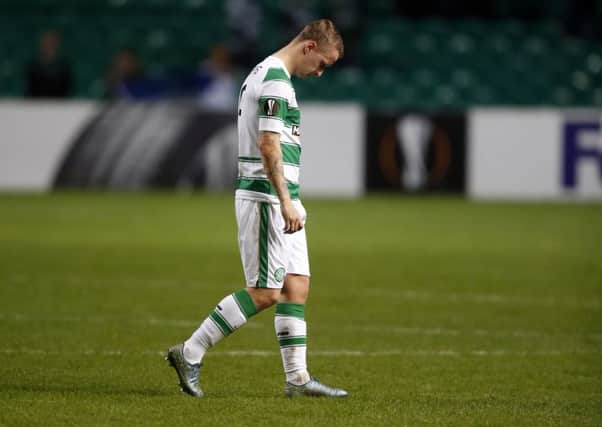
(271, 154)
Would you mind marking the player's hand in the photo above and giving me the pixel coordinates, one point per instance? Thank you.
(292, 218)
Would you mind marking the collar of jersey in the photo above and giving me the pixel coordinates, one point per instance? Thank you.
(282, 64)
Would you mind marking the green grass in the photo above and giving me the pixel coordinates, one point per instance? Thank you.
(428, 310)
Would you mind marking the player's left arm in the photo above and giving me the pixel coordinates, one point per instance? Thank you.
(271, 154)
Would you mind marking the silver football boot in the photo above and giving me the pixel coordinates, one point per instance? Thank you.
(187, 373)
(313, 388)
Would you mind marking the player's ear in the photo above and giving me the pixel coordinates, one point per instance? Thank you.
(309, 46)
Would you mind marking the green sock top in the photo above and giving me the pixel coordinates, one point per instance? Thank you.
(290, 309)
(245, 302)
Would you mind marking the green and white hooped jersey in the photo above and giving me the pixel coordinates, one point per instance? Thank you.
(267, 102)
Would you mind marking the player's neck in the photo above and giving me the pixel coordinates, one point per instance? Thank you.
(287, 55)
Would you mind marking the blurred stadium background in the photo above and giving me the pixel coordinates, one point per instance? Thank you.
(462, 97)
(455, 312)
(429, 54)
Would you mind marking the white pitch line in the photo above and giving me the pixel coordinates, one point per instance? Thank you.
(317, 353)
(383, 329)
(389, 329)
(172, 284)
(411, 294)
(592, 304)
(154, 321)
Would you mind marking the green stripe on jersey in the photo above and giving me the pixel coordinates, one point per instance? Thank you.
(264, 220)
(245, 303)
(291, 153)
(285, 342)
(277, 74)
(290, 309)
(264, 186)
(293, 116)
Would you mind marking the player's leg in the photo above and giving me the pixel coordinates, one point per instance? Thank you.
(289, 319)
(295, 289)
(290, 325)
(231, 313)
(261, 253)
(264, 298)
(291, 329)
(261, 247)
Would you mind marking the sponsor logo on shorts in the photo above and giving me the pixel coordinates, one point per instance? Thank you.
(279, 275)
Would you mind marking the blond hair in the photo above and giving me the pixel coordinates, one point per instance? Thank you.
(324, 33)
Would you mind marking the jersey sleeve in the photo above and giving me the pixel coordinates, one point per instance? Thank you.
(273, 104)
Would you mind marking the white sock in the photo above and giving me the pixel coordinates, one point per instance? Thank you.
(231, 313)
(291, 331)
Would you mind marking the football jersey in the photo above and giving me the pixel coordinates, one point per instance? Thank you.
(267, 102)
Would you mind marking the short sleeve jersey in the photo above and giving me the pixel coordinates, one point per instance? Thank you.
(267, 102)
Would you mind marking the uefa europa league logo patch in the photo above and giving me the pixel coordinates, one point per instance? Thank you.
(271, 107)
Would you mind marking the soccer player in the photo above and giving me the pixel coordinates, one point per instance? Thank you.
(270, 215)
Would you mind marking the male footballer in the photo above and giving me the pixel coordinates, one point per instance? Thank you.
(269, 215)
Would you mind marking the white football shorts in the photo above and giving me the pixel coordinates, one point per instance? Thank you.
(268, 254)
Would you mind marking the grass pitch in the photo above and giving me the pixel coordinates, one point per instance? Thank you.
(428, 310)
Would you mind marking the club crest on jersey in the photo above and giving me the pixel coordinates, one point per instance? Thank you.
(271, 107)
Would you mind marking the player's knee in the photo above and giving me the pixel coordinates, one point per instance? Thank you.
(296, 289)
(264, 298)
(266, 301)
(272, 299)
